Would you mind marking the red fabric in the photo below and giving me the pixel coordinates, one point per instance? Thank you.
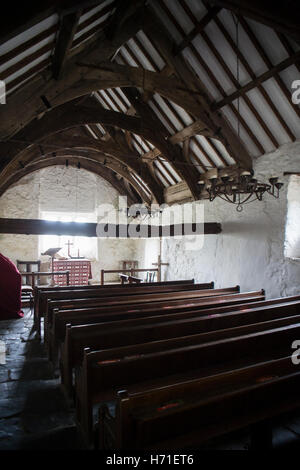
(10, 290)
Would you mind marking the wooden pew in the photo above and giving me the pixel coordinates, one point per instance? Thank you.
(94, 299)
(42, 293)
(55, 326)
(199, 329)
(106, 291)
(56, 333)
(96, 295)
(104, 372)
(190, 413)
(160, 313)
(138, 297)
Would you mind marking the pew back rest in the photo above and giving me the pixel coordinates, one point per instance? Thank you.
(85, 330)
(198, 330)
(142, 297)
(157, 402)
(202, 419)
(106, 370)
(114, 313)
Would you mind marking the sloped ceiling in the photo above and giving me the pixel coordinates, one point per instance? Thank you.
(158, 92)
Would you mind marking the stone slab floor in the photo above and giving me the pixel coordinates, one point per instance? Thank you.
(33, 411)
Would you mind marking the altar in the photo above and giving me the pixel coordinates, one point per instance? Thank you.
(80, 271)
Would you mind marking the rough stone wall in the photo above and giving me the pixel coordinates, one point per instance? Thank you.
(62, 189)
(20, 201)
(250, 250)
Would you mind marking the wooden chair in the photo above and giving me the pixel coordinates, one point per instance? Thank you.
(29, 265)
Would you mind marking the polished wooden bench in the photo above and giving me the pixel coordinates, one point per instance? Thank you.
(56, 333)
(138, 297)
(200, 329)
(42, 293)
(77, 298)
(104, 291)
(56, 323)
(190, 413)
(104, 372)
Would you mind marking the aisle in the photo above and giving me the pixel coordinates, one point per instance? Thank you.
(33, 413)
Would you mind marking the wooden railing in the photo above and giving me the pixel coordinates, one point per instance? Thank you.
(130, 271)
(45, 273)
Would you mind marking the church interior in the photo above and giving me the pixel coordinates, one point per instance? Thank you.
(150, 225)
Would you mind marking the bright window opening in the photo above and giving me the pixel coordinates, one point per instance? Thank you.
(292, 233)
(86, 247)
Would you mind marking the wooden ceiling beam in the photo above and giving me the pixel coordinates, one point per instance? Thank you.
(212, 12)
(91, 161)
(47, 133)
(268, 62)
(277, 15)
(228, 72)
(43, 227)
(234, 81)
(67, 30)
(158, 136)
(222, 129)
(251, 73)
(289, 49)
(88, 164)
(187, 132)
(77, 81)
(275, 69)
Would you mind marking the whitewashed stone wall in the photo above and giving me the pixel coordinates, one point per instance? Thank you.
(20, 201)
(62, 189)
(250, 249)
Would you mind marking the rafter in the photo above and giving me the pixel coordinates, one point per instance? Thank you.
(158, 135)
(64, 41)
(277, 15)
(197, 29)
(251, 73)
(86, 164)
(258, 80)
(43, 132)
(223, 129)
(77, 81)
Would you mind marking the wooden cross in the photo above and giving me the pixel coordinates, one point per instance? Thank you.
(159, 264)
(69, 244)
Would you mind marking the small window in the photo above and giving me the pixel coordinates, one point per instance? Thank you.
(292, 231)
(86, 247)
